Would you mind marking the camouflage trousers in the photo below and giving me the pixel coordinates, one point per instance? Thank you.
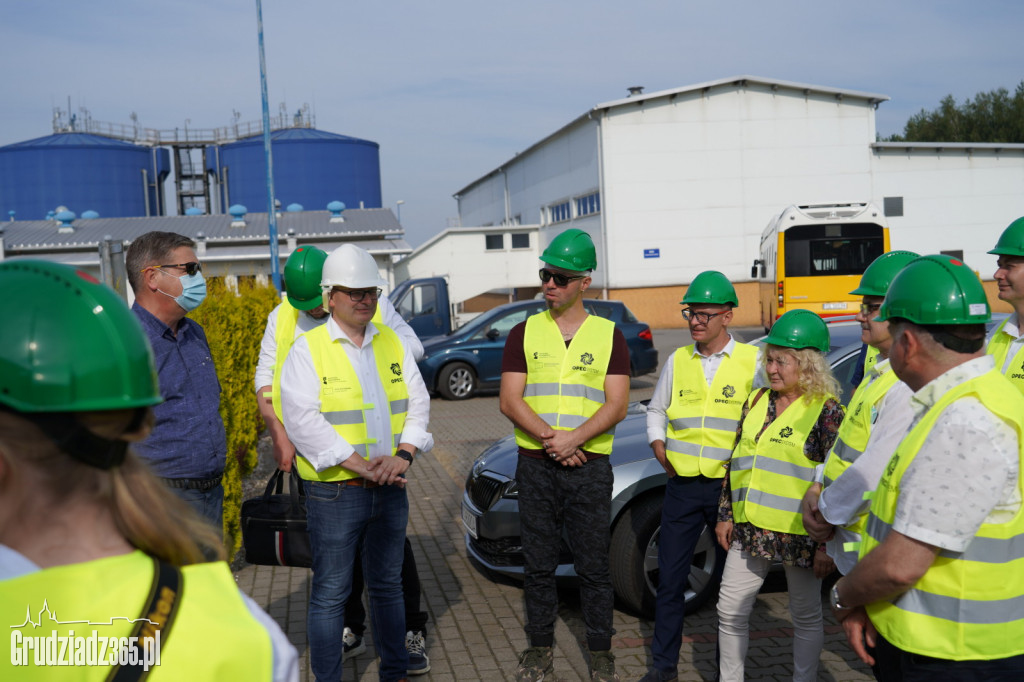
(575, 503)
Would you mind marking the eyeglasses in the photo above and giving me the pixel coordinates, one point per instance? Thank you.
(357, 295)
(191, 268)
(560, 279)
(868, 308)
(700, 318)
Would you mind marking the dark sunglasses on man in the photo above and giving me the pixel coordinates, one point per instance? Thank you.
(560, 279)
(190, 268)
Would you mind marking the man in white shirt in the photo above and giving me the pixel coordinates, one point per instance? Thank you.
(936, 589)
(876, 421)
(303, 311)
(356, 408)
(691, 425)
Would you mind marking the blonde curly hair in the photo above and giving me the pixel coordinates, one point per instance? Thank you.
(815, 377)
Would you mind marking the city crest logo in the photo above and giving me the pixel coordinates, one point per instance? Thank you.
(587, 359)
(786, 431)
(396, 369)
(728, 391)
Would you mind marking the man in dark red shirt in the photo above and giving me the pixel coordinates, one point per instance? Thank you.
(565, 385)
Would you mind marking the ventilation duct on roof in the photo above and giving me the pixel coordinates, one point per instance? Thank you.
(238, 215)
(336, 208)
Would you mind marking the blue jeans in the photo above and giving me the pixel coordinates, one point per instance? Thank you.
(343, 519)
(691, 502)
(209, 503)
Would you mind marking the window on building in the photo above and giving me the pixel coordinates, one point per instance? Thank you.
(559, 213)
(495, 242)
(588, 205)
(892, 207)
(521, 240)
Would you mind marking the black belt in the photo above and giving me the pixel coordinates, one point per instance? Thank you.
(203, 484)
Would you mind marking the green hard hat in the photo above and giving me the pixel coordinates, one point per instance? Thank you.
(879, 275)
(800, 329)
(711, 286)
(571, 250)
(936, 289)
(302, 273)
(1011, 241)
(69, 344)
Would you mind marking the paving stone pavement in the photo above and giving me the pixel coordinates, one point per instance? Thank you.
(476, 621)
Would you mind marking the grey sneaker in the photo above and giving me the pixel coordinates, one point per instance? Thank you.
(655, 675)
(416, 645)
(534, 664)
(602, 667)
(351, 644)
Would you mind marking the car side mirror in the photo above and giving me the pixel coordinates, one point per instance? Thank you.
(493, 334)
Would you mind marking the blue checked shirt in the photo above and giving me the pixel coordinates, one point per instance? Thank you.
(188, 440)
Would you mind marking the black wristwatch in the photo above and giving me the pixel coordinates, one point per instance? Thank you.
(406, 455)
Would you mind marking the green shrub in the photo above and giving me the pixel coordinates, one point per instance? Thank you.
(234, 324)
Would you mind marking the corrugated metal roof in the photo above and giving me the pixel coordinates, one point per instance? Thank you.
(735, 81)
(307, 226)
(71, 140)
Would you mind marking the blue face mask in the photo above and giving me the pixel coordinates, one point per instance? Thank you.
(193, 291)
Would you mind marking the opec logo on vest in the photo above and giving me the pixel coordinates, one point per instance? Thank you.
(85, 643)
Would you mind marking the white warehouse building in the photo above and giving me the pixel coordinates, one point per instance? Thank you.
(679, 181)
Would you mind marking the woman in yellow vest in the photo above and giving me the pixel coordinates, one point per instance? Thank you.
(103, 572)
(784, 432)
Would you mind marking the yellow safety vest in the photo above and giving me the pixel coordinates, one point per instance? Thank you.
(998, 347)
(870, 358)
(769, 476)
(213, 636)
(855, 430)
(702, 420)
(284, 337)
(565, 386)
(341, 396)
(967, 605)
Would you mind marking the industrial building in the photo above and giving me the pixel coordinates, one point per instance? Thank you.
(119, 171)
(674, 182)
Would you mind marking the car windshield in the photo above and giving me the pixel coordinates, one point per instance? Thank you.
(504, 323)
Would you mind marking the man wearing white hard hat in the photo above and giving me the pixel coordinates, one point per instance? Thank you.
(356, 408)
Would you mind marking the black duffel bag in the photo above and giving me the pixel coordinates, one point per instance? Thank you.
(274, 525)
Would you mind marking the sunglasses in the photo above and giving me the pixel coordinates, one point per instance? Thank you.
(357, 295)
(191, 268)
(560, 279)
(868, 308)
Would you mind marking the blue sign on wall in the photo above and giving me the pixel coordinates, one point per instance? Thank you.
(652, 253)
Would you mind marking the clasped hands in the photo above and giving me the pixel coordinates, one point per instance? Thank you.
(562, 447)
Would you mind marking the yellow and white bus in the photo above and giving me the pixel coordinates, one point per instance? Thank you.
(812, 256)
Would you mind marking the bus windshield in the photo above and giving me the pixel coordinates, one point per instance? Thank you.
(831, 249)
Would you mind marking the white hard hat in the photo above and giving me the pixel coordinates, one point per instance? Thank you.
(351, 267)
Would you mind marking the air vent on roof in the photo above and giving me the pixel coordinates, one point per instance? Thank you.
(336, 208)
(238, 215)
(635, 90)
(65, 218)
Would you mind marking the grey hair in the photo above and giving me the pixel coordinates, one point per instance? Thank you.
(152, 248)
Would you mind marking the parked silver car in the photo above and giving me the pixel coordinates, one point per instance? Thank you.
(490, 509)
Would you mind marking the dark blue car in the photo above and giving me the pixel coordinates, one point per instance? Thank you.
(469, 359)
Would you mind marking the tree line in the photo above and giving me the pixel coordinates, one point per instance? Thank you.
(995, 116)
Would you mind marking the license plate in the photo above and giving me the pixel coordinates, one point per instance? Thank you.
(469, 520)
(834, 306)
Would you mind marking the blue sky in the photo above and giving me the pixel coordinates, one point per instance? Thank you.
(453, 88)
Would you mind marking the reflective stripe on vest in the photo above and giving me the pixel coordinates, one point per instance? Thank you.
(213, 637)
(769, 476)
(284, 337)
(702, 419)
(999, 347)
(341, 395)
(565, 386)
(968, 605)
(870, 359)
(855, 430)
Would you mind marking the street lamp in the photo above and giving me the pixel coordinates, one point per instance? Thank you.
(398, 207)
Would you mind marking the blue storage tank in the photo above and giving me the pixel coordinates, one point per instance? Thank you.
(311, 167)
(83, 172)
